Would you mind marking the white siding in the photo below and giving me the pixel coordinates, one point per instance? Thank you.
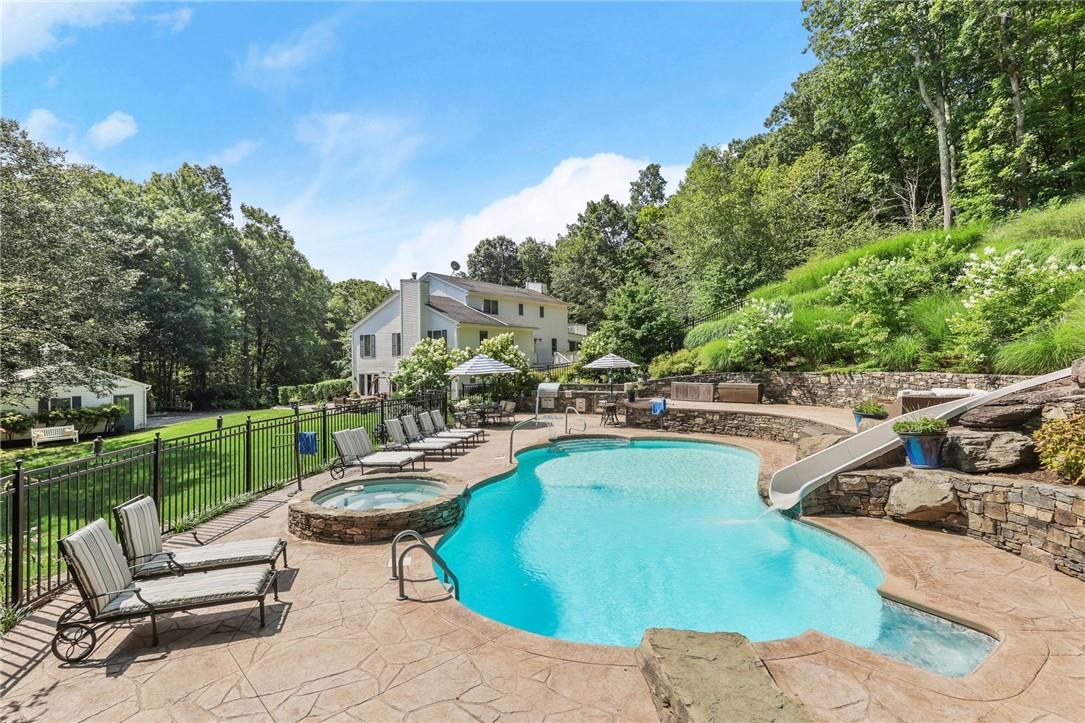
(382, 324)
(89, 398)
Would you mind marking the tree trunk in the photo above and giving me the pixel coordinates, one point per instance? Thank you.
(936, 104)
(1012, 69)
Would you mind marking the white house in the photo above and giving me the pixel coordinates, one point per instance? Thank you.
(126, 392)
(464, 312)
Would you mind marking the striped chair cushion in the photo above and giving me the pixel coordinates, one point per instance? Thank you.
(225, 554)
(98, 563)
(142, 534)
(202, 587)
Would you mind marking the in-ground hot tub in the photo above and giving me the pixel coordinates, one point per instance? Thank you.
(376, 508)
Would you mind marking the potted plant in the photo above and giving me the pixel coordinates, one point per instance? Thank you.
(869, 409)
(922, 440)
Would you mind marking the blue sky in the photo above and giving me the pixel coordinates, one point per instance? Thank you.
(391, 137)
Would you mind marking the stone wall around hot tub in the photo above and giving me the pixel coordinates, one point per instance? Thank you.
(1041, 522)
(778, 428)
(310, 521)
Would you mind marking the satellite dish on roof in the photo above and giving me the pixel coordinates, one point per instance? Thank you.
(455, 265)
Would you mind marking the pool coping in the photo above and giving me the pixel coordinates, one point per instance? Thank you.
(987, 682)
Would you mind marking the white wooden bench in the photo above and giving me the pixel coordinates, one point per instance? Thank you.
(53, 434)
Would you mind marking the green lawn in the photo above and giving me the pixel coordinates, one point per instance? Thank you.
(56, 453)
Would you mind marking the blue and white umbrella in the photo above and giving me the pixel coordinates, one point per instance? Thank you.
(481, 365)
(610, 362)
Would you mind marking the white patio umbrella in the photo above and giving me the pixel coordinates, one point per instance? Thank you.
(611, 362)
(481, 365)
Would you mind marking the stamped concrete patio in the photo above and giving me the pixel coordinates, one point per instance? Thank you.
(340, 647)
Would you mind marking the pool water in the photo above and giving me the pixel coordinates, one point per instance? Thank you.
(378, 495)
(596, 540)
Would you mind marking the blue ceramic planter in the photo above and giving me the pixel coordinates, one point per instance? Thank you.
(924, 451)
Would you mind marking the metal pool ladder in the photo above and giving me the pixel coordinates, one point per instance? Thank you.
(420, 544)
(583, 422)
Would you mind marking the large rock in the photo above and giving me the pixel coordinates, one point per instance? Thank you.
(1002, 416)
(1077, 372)
(972, 450)
(922, 498)
(712, 677)
(1066, 407)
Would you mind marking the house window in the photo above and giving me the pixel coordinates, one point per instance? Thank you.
(397, 344)
(489, 306)
(368, 344)
(520, 310)
(438, 334)
(483, 336)
(65, 403)
(574, 346)
(553, 346)
(542, 311)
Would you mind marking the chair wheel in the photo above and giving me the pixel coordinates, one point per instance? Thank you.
(74, 642)
(337, 471)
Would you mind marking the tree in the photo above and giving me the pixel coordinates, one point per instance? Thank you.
(496, 260)
(503, 348)
(349, 301)
(534, 259)
(640, 321)
(587, 259)
(64, 289)
(424, 368)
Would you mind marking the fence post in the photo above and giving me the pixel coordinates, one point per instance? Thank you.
(156, 479)
(297, 453)
(380, 423)
(17, 532)
(248, 454)
(324, 434)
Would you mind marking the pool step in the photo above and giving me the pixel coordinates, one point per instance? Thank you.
(589, 444)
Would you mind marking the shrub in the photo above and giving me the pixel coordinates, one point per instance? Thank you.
(929, 315)
(762, 336)
(683, 361)
(1060, 444)
(326, 390)
(15, 423)
(711, 330)
(923, 425)
(1054, 346)
(1005, 296)
(819, 333)
(901, 353)
(871, 408)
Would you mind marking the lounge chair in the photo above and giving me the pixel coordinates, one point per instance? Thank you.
(440, 426)
(431, 430)
(400, 441)
(355, 450)
(141, 541)
(109, 594)
(410, 426)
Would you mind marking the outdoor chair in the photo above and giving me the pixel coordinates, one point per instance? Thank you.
(410, 426)
(440, 426)
(141, 541)
(109, 594)
(355, 450)
(506, 412)
(431, 430)
(400, 441)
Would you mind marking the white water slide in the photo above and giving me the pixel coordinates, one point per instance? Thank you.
(790, 484)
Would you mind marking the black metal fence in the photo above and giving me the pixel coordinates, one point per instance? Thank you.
(187, 476)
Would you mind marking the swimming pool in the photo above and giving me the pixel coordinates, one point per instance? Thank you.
(595, 540)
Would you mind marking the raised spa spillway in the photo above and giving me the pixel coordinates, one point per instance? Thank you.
(596, 540)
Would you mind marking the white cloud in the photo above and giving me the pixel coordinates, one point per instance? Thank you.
(112, 129)
(542, 211)
(275, 63)
(235, 153)
(175, 20)
(45, 127)
(31, 28)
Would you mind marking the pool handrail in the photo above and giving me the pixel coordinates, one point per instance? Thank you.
(529, 420)
(583, 422)
(395, 542)
(428, 549)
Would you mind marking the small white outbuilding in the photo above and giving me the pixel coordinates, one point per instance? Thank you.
(126, 392)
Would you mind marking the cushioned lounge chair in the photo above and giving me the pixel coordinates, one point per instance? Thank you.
(410, 426)
(109, 593)
(400, 441)
(440, 426)
(355, 450)
(431, 430)
(141, 541)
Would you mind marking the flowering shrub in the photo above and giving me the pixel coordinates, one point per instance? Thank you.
(1005, 296)
(1061, 446)
(683, 361)
(882, 286)
(762, 336)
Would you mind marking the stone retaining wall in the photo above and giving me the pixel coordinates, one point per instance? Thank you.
(735, 424)
(836, 390)
(1041, 522)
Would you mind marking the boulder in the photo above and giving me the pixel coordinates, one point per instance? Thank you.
(1077, 372)
(1069, 406)
(972, 450)
(712, 677)
(1002, 416)
(922, 498)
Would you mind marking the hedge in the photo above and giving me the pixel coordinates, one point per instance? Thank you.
(320, 392)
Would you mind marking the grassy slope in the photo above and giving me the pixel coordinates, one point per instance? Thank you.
(1042, 234)
(56, 453)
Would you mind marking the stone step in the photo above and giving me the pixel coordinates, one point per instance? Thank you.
(700, 677)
